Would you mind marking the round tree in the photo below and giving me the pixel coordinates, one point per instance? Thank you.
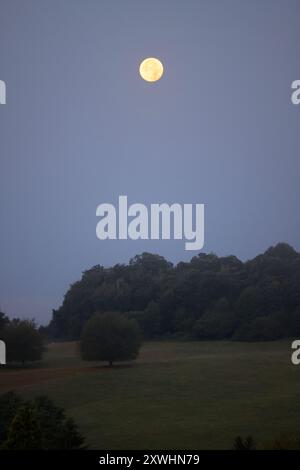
(110, 337)
(23, 341)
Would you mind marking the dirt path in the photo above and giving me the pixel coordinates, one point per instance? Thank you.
(18, 378)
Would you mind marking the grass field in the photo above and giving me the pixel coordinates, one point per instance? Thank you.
(178, 395)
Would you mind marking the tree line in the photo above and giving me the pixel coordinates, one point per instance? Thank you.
(208, 298)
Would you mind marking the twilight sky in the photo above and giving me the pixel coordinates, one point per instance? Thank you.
(80, 128)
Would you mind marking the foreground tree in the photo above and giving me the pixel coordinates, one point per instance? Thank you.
(244, 444)
(285, 442)
(36, 424)
(24, 432)
(23, 341)
(10, 402)
(110, 337)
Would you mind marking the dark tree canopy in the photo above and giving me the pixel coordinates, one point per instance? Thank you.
(36, 424)
(23, 341)
(209, 297)
(3, 322)
(110, 337)
(24, 432)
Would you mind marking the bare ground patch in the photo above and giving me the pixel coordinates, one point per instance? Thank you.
(18, 378)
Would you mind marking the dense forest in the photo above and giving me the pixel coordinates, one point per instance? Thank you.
(208, 298)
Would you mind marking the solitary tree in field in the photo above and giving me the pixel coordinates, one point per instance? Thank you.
(23, 341)
(110, 337)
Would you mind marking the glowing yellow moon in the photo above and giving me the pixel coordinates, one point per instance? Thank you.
(151, 69)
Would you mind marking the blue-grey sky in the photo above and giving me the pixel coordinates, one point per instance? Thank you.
(80, 128)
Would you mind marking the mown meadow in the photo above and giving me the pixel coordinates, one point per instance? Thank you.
(177, 395)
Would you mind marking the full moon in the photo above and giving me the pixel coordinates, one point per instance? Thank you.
(151, 69)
